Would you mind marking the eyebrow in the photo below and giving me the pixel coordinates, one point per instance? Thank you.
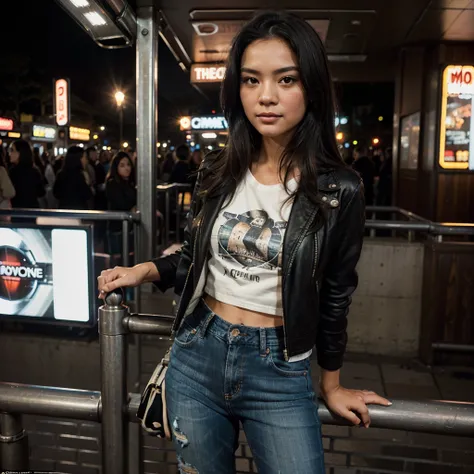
(277, 71)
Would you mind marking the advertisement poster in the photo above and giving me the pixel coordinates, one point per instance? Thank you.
(457, 126)
(45, 274)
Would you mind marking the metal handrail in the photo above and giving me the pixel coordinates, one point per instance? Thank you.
(74, 214)
(424, 416)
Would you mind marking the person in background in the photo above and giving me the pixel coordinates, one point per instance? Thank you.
(25, 176)
(384, 187)
(181, 169)
(121, 195)
(104, 159)
(71, 188)
(91, 154)
(364, 166)
(167, 166)
(50, 178)
(7, 191)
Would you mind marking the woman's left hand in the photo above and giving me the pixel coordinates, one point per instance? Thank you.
(342, 401)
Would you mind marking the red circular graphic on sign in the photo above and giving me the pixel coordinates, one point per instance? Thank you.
(13, 287)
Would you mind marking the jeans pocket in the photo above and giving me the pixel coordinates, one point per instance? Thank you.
(287, 369)
(188, 331)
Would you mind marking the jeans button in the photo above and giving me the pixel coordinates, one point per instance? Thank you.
(235, 332)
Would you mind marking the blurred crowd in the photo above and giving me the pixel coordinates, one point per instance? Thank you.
(84, 179)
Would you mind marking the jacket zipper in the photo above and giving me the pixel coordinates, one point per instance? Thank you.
(292, 258)
(189, 271)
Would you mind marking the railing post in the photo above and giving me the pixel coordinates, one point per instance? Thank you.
(113, 371)
(13, 443)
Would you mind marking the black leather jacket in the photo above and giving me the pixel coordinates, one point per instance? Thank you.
(321, 248)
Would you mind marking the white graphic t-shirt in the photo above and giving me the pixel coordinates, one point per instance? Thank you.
(245, 267)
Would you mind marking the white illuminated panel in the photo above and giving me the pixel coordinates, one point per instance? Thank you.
(70, 275)
(80, 3)
(95, 19)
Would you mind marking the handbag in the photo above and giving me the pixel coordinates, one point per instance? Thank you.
(152, 411)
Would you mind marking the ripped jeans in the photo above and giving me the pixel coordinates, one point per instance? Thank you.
(221, 375)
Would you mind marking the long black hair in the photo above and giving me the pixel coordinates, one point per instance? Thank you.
(26, 153)
(72, 160)
(113, 171)
(313, 147)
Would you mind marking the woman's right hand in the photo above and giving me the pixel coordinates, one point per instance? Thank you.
(125, 277)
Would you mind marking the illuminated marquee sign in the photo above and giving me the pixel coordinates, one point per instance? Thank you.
(81, 134)
(44, 132)
(61, 102)
(456, 148)
(211, 122)
(6, 123)
(207, 73)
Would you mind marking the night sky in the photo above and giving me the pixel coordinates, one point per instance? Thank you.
(58, 47)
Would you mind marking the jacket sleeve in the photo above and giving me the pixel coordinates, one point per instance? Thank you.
(168, 266)
(340, 281)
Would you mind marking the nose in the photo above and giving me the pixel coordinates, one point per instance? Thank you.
(268, 94)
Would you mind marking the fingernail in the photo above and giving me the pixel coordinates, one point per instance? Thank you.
(389, 403)
(367, 425)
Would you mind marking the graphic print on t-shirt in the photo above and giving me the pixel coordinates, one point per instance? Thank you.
(251, 239)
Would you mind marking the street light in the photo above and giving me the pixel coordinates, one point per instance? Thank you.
(120, 98)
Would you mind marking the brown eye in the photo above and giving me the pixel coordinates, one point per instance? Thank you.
(287, 80)
(249, 80)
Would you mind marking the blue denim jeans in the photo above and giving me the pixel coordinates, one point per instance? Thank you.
(223, 375)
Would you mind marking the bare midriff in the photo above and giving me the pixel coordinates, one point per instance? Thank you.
(235, 315)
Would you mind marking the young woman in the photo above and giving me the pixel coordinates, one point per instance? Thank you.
(267, 269)
(26, 178)
(70, 187)
(121, 195)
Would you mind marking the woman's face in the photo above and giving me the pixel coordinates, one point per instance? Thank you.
(14, 155)
(271, 91)
(124, 168)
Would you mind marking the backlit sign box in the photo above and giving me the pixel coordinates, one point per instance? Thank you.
(456, 150)
(207, 73)
(204, 122)
(81, 134)
(61, 102)
(6, 124)
(41, 279)
(44, 132)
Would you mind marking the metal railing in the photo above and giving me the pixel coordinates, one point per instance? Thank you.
(114, 408)
(413, 223)
(173, 189)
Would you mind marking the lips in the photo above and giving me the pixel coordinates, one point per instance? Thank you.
(268, 115)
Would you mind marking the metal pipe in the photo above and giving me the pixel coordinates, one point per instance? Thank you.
(429, 416)
(149, 324)
(178, 213)
(13, 442)
(147, 126)
(113, 371)
(451, 347)
(167, 219)
(125, 243)
(49, 401)
(68, 214)
(398, 225)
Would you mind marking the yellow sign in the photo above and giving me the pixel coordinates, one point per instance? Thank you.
(207, 72)
(81, 134)
(14, 135)
(456, 147)
(44, 132)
